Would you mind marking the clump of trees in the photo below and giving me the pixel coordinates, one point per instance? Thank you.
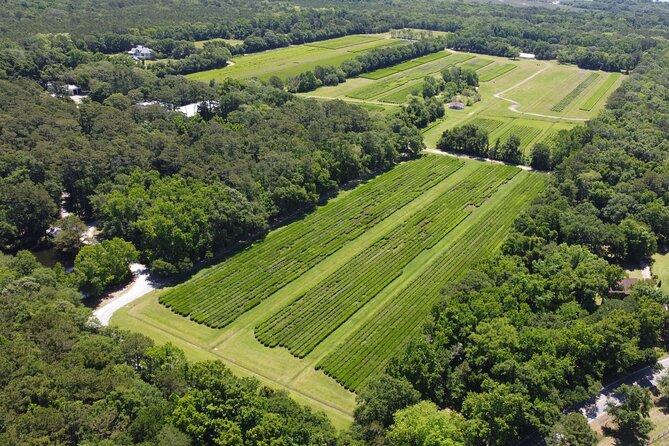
(473, 140)
(103, 265)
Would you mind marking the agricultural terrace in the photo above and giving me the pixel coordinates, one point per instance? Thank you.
(537, 98)
(293, 60)
(344, 288)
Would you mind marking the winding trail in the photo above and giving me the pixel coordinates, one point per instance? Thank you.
(140, 286)
(514, 104)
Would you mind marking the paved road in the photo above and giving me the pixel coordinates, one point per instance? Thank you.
(595, 408)
(140, 285)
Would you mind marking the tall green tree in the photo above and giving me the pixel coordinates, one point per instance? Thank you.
(631, 416)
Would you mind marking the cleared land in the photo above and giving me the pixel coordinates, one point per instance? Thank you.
(432, 203)
(293, 60)
(549, 96)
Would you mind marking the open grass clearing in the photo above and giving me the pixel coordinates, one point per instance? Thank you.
(233, 42)
(293, 60)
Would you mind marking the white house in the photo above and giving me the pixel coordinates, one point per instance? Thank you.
(528, 56)
(141, 52)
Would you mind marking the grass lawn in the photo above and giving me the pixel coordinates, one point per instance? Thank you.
(660, 268)
(234, 42)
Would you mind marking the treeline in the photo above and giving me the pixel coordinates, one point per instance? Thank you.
(595, 40)
(535, 331)
(66, 380)
(369, 61)
(472, 140)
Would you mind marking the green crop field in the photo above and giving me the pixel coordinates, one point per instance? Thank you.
(315, 284)
(526, 133)
(600, 92)
(367, 351)
(346, 41)
(218, 295)
(489, 73)
(487, 124)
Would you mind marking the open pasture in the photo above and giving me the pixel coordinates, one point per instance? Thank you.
(315, 283)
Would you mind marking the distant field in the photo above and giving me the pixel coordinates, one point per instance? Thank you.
(290, 61)
(476, 64)
(492, 72)
(200, 43)
(600, 92)
(368, 248)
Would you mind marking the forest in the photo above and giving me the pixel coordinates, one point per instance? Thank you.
(507, 350)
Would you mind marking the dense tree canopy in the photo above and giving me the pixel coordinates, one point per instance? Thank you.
(65, 380)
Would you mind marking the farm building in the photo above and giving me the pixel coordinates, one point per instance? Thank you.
(141, 52)
(528, 56)
(456, 105)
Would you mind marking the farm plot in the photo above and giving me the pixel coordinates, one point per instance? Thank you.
(367, 352)
(346, 41)
(526, 133)
(396, 80)
(218, 295)
(489, 73)
(488, 125)
(600, 92)
(569, 98)
(305, 323)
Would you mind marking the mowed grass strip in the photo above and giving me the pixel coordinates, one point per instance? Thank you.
(400, 96)
(301, 326)
(600, 92)
(347, 41)
(218, 295)
(569, 98)
(367, 352)
(476, 64)
(493, 72)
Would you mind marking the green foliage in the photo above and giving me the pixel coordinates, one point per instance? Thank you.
(631, 415)
(378, 401)
(423, 424)
(104, 264)
(175, 222)
(70, 238)
(66, 381)
(572, 430)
